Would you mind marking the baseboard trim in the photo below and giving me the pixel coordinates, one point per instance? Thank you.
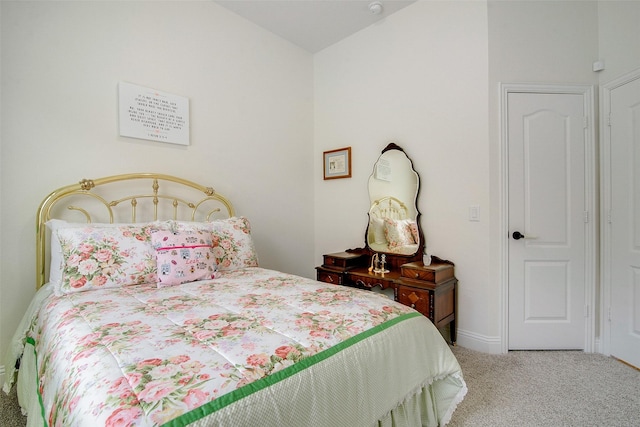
(1, 376)
(493, 345)
(478, 342)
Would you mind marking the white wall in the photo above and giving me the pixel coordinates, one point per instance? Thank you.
(420, 79)
(619, 37)
(251, 119)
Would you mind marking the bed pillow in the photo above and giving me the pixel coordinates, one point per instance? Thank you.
(55, 250)
(398, 232)
(413, 227)
(233, 246)
(183, 256)
(101, 256)
(376, 226)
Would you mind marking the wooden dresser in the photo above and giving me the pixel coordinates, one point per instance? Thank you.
(431, 289)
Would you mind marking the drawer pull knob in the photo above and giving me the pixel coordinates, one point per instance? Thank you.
(417, 275)
(330, 279)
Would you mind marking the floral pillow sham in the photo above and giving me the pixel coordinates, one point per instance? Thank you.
(233, 246)
(98, 257)
(56, 258)
(400, 232)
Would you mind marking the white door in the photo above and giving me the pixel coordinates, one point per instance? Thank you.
(624, 222)
(547, 204)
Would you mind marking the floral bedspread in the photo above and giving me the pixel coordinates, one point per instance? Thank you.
(142, 355)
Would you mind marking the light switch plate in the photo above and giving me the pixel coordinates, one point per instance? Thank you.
(474, 213)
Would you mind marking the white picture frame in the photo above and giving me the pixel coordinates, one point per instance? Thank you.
(150, 114)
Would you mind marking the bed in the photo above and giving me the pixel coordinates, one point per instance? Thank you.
(151, 310)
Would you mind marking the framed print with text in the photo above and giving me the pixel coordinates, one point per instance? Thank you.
(337, 163)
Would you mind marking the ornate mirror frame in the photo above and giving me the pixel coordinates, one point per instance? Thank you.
(396, 206)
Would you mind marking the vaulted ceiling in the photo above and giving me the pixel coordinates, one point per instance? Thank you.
(314, 24)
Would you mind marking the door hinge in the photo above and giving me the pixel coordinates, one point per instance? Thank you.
(609, 216)
(585, 122)
(609, 120)
(609, 314)
(586, 310)
(586, 216)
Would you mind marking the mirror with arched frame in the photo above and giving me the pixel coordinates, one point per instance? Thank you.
(394, 225)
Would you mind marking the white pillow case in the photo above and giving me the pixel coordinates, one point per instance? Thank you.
(376, 225)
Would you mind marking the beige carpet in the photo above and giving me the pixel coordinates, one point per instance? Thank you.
(546, 388)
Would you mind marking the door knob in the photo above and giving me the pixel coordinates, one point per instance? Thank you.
(518, 235)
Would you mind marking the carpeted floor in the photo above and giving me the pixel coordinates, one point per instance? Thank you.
(547, 388)
(10, 415)
(523, 389)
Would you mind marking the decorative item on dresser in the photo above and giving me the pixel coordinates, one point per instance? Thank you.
(392, 257)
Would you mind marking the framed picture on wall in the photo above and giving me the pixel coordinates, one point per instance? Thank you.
(337, 163)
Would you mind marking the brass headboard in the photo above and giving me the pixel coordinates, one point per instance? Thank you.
(389, 207)
(146, 197)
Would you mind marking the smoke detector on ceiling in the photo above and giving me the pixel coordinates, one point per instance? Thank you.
(375, 7)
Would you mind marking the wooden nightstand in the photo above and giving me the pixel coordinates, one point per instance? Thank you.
(431, 290)
(335, 266)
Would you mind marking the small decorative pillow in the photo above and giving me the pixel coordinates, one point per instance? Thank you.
(97, 257)
(233, 246)
(398, 232)
(376, 227)
(183, 256)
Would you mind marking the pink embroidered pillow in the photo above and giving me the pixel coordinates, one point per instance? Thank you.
(183, 256)
(97, 257)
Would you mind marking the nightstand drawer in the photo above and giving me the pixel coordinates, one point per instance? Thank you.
(344, 260)
(330, 277)
(417, 299)
(435, 273)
